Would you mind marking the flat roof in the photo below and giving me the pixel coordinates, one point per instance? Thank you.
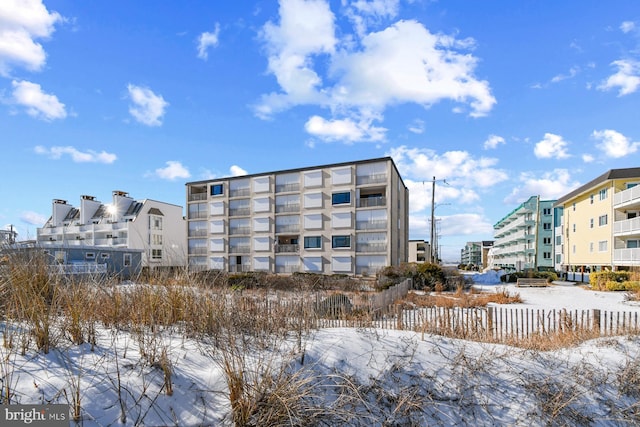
(306, 168)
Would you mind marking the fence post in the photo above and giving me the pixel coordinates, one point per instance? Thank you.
(596, 320)
(399, 314)
(490, 311)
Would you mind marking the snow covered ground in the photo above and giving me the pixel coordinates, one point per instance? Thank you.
(361, 377)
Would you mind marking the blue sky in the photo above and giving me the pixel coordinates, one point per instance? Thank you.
(502, 100)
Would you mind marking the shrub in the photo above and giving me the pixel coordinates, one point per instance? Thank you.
(612, 285)
(600, 279)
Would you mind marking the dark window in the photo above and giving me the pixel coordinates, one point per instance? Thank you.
(216, 189)
(341, 242)
(312, 242)
(341, 198)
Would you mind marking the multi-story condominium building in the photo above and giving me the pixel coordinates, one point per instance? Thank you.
(418, 251)
(600, 225)
(524, 238)
(476, 253)
(156, 228)
(349, 218)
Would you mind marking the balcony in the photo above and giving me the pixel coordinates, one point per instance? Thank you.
(627, 227)
(240, 192)
(239, 249)
(287, 188)
(287, 248)
(198, 232)
(628, 256)
(371, 247)
(239, 231)
(196, 197)
(198, 250)
(371, 225)
(290, 208)
(287, 228)
(370, 202)
(627, 198)
(239, 268)
(380, 178)
(288, 268)
(240, 211)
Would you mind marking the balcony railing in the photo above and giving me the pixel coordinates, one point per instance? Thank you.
(198, 250)
(628, 256)
(371, 225)
(239, 230)
(287, 248)
(287, 228)
(288, 208)
(630, 195)
(287, 268)
(78, 268)
(199, 232)
(239, 268)
(239, 249)
(197, 197)
(627, 226)
(240, 192)
(284, 188)
(369, 202)
(240, 211)
(371, 179)
(371, 247)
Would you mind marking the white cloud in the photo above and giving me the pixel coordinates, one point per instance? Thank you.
(237, 171)
(22, 22)
(76, 155)
(614, 144)
(364, 13)
(33, 218)
(548, 185)
(551, 146)
(627, 79)
(207, 40)
(588, 158)
(573, 71)
(174, 170)
(493, 141)
(417, 126)
(37, 103)
(148, 108)
(359, 77)
(344, 130)
(627, 26)
(463, 175)
(465, 224)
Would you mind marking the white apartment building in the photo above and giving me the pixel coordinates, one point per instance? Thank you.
(155, 227)
(524, 238)
(345, 218)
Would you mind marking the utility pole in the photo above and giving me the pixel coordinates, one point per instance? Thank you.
(432, 243)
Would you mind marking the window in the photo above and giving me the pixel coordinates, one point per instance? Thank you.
(126, 260)
(341, 198)
(574, 228)
(574, 207)
(591, 247)
(546, 226)
(602, 220)
(341, 242)
(105, 256)
(217, 189)
(591, 199)
(633, 244)
(546, 211)
(558, 240)
(546, 255)
(156, 253)
(155, 222)
(546, 240)
(591, 223)
(603, 194)
(156, 239)
(90, 255)
(602, 246)
(313, 242)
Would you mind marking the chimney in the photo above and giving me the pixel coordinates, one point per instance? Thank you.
(60, 209)
(88, 207)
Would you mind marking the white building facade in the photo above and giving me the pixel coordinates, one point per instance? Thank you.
(157, 228)
(345, 218)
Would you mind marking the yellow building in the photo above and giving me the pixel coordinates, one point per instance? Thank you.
(600, 226)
